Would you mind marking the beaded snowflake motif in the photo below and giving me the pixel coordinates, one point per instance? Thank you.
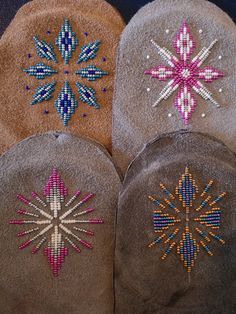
(66, 42)
(188, 239)
(184, 73)
(55, 222)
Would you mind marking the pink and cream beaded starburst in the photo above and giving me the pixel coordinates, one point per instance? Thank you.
(55, 221)
(184, 73)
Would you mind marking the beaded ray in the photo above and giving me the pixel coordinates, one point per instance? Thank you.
(66, 41)
(87, 95)
(184, 73)
(54, 223)
(40, 71)
(43, 92)
(91, 73)
(183, 228)
(88, 52)
(66, 102)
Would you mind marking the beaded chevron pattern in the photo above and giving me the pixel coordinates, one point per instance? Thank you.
(54, 222)
(185, 73)
(189, 226)
(66, 43)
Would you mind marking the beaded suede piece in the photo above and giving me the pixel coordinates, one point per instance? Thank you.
(191, 225)
(54, 223)
(185, 74)
(66, 43)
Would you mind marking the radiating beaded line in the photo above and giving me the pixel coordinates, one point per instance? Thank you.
(167, 192)
(27, 202)
(23, 233)
(216, 237)
(207, 188)
(203, 203)
(89, 221)
(203, 234)
(24, 212)
(70, 211)
(219, 198)
(206, 248)
(86, 211)
(168, 250)
(38, 246)
(77, 249)
(84, 243)
(88, 232)
(73, 198)
(171, 205)
(36, 196)
(26, 243)
(156, 202)
(172, 235)
(157, 240)
(21, 222)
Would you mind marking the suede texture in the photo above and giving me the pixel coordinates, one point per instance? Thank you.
(144, 282)
(85, 281)
(135, 120)
(42, 18)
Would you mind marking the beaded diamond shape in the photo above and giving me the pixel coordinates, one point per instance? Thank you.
(54, 222)
(184, 73)
(183, 230)
(65, 102)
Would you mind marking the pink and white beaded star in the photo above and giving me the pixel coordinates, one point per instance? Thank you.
(185, 73)
(51, 222)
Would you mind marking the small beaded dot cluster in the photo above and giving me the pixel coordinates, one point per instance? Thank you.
(91, 73)
(51, 220)
(187, 244)
(66, 103)
(66, 42)
(184, 73)
(40, 71)
(87, 95)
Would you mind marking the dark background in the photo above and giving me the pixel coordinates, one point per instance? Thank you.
(127, 8)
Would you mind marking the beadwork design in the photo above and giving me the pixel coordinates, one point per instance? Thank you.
(91, 73)
(184, 73)
(65, 102)
(40, 71)
(191, 239)
(88, 52)
(52, 223)
(87, 95)
(43, 92)
(66, 41)
(44, 50)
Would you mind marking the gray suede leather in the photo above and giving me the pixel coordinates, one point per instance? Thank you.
(85, 280)
(144, 282)
(135, 120)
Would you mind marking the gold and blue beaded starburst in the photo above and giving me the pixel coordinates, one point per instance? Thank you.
(191, 225)
(66, 43)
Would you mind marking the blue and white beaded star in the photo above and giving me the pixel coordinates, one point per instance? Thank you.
(66, 43)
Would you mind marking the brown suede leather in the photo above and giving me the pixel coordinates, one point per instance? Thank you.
(19, 118)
